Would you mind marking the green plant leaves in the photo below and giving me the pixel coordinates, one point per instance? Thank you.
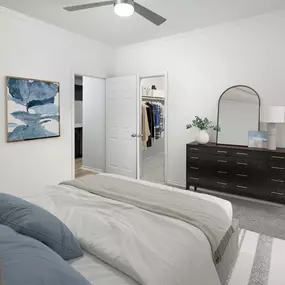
(203, 124)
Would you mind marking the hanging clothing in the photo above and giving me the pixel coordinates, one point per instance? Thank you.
(145, 125)
(161, 121)
(156, 109)
(152, 122)
(150, 116)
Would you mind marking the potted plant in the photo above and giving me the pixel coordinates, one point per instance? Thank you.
(203, 124)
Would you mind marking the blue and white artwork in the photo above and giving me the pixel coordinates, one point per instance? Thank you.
(257, 139)
(33, 110)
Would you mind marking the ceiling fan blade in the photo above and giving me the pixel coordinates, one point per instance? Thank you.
(88, 6)
(149, 15)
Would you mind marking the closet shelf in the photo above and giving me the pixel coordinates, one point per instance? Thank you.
(153, 98)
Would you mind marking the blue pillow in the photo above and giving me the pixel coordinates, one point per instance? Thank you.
(26, 261)
(33, 221)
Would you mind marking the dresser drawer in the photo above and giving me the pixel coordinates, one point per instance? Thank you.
(194, 179)
(276, 167)
(276, 182)
(200, 159)
(193, 149)
(276, 173)
(224, 164)
(224, 174)
(280, 194)
(276, 158)
(244, 164)
(243, 179)
(244, 188)
(222, 185)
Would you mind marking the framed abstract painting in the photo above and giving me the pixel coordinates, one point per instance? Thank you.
(33, 109)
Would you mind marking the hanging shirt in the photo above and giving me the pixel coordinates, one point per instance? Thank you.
(157, 132)
(145, 125)
(161, 120)
(150, 117)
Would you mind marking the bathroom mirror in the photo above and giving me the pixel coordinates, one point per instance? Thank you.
(238, 113)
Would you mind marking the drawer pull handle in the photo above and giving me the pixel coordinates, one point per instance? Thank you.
(241, 163)
(241, 187)
(195, 168)
(277, 157)
(278, 168)
(222, 183)
(222, 151)
(222, 172)
(194, 157)
(195, 149)
(277, 193)
(242, 153)
(277, 180)
(194, 178)
(242, 175)
(222, 161)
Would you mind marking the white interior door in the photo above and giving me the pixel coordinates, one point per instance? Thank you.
(121, 125)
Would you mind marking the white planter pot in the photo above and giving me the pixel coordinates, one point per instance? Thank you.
(202, 137)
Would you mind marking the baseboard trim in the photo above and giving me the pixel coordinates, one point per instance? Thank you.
(97, 170)
(175, 184)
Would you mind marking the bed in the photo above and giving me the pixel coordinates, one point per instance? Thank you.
(134, 232)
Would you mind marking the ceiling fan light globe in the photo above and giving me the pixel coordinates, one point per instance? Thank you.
(124, 9)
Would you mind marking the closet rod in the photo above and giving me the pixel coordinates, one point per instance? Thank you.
(152, 76)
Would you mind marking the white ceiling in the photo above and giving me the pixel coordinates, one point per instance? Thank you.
(103, 25)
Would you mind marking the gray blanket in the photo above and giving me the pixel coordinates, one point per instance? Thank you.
(192, 209)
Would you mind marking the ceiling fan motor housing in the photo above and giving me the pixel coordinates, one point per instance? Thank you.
(130, 2)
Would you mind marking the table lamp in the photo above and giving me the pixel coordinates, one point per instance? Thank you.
(273, 115)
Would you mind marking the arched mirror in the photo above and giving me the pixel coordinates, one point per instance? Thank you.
(238, 113)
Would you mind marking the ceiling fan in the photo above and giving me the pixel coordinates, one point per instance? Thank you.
(123, 8)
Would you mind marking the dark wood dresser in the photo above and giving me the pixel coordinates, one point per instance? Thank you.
(257, 173)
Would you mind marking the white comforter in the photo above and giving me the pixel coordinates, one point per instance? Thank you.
(150, 248)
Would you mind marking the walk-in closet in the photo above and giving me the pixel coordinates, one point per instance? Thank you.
(153, 114)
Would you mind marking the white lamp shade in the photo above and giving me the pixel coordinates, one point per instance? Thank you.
(273, 114)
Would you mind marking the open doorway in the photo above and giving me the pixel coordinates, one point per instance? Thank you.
(153, 129)
(89, 125)
(78, 125)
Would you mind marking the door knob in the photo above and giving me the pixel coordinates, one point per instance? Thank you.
(136, 136)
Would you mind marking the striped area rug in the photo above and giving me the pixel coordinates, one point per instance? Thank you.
(261, 260)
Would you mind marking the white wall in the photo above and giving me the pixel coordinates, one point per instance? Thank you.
(33, 49)
(202, 64)
(94, 125)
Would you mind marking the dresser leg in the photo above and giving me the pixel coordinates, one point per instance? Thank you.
(187, 186)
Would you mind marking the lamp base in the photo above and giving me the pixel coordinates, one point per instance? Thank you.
(271, 130)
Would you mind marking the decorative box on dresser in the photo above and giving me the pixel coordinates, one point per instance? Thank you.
(251, 172)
